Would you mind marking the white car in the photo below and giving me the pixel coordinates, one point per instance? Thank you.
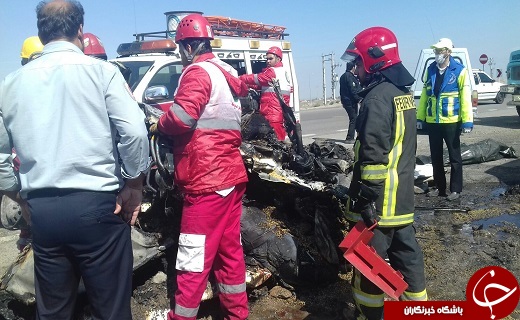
(487, 88)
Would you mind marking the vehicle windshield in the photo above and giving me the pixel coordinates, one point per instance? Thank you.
(514, 74)
(138, 70)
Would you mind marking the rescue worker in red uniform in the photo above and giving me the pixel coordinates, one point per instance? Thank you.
(204, 122)
(270, 106)
(382, 187)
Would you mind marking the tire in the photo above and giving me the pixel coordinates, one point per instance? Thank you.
(500, 98)
(10, 213)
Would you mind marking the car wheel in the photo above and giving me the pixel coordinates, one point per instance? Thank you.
(500, 98)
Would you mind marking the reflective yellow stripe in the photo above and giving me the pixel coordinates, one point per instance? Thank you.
(392, 178)
(368, 300)
(373, 172)
(393, 221)
(453, 94)
(414, 296)
(363, 298)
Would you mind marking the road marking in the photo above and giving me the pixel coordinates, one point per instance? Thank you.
(308, 135)
(342, 130)
(492, 109)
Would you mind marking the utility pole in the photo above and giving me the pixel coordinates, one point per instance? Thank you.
(334, 76)
(491, 64)
(323, 70)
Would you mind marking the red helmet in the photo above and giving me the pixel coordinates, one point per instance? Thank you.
(193, 26)
(276, 51)
(377, 47)
(92, 46)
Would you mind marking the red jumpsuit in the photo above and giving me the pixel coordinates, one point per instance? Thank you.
(270, 106)
(209, 170)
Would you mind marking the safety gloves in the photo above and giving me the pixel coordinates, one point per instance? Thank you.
(365, 202)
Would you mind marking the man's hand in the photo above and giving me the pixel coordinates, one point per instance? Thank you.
(128, 202)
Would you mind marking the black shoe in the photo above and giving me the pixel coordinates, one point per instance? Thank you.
(453, 196)
(350, 141)
(436, 193)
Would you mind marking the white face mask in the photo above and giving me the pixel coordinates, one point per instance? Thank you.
(440, 58)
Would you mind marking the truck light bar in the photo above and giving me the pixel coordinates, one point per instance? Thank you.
(152, 46)
(223, 26)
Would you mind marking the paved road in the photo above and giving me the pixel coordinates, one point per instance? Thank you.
(496, 121)
(331, 122)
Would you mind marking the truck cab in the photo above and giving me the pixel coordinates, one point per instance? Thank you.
(427, 56)
(513, 80)
(156, 64)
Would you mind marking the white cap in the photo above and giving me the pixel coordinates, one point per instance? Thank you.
(443, 43)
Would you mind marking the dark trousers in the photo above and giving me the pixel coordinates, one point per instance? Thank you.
(400, 246)
(76, 235)
(449, 133)
(352, 112)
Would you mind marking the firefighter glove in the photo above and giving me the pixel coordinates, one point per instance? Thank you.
(369, 215)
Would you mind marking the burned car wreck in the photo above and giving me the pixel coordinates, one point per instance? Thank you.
(292, 218)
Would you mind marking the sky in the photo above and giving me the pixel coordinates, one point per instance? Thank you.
(315, 28)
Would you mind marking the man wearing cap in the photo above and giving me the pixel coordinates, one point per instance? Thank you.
(348, 88)
(445, 108)
(270, 106)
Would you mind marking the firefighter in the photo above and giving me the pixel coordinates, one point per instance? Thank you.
(31, 49)
(382, 187)
(270, 106)
(204, 121)
(93, 47)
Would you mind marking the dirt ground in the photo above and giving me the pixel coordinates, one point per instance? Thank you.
(482, 229)
(457, 239)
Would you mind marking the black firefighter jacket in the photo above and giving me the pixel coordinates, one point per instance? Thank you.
(385, 153)
(348, 89)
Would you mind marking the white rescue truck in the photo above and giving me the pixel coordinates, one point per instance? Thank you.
(156, 64)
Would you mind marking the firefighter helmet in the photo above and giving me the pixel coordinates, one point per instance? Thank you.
(276, 51)
(193, 26)
(92, 46)
(377, 47)
(31, 46)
